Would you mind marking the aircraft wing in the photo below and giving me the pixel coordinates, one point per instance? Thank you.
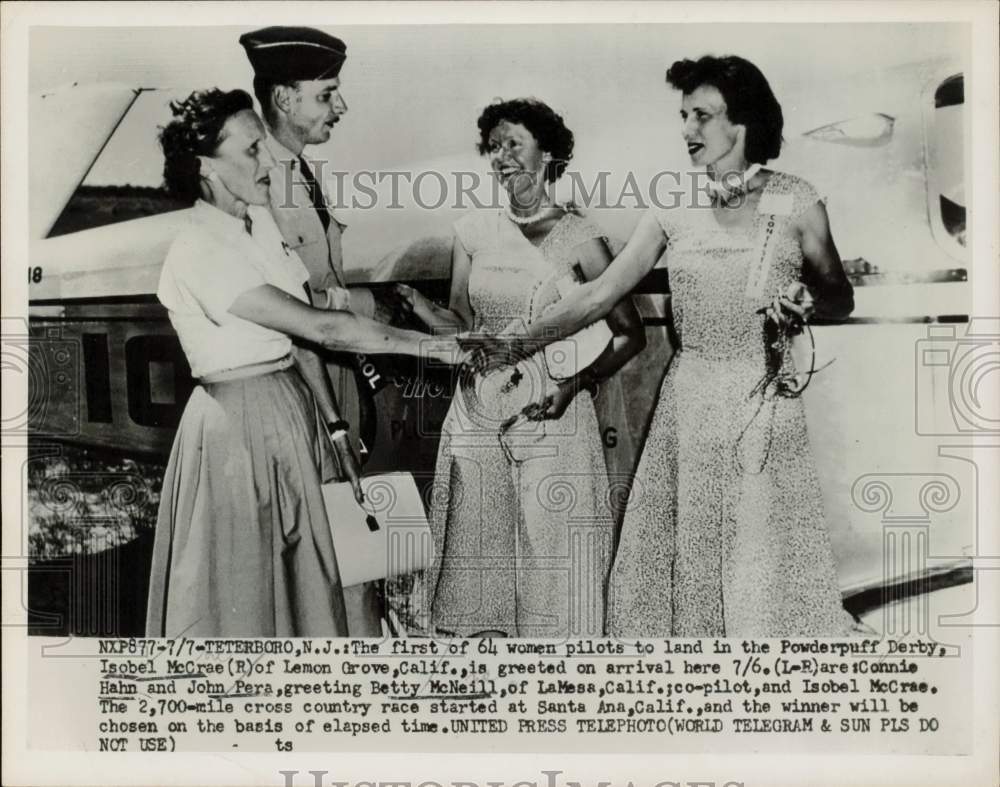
(116, 260)
(69, 128)
(403, 233)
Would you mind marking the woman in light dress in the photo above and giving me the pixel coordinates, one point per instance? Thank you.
(521, 517)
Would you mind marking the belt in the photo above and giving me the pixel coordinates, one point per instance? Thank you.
(250, 370)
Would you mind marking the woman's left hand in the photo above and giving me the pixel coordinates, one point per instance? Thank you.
(553, 405)
(792, 308)
(487, 353)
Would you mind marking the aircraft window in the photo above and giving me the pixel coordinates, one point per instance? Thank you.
(950, 93)
(125, 181)
(945, 135)
(97, 206)
(872, 130)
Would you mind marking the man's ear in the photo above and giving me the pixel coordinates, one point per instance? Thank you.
(281, 98)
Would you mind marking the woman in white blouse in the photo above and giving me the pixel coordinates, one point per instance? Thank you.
(243, 547)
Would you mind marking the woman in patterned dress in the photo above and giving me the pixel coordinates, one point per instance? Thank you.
(521, 515)
(725, 532)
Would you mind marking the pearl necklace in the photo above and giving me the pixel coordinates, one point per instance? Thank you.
(523, 220)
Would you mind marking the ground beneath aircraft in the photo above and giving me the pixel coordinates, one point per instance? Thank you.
(92, 518)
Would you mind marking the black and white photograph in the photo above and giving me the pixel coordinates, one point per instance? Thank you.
(662, 339)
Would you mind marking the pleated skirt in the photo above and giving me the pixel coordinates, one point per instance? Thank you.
(242, 547)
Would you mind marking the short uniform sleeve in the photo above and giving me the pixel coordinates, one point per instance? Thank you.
(200, 270)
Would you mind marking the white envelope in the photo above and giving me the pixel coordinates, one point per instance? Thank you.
(387, 537)
(567, 357)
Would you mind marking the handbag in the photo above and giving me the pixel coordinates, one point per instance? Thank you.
(386, 537)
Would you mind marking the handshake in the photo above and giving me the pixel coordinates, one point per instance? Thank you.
(492, 364)
(478, 353)
(483, 353)
(451, 342)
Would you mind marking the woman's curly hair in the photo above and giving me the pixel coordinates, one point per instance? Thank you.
(545, 125)
(748, 96)
(196, 130)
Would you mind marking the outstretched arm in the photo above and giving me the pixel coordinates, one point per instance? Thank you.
(627, 341)
(585, 305)
(458, 316)
(595, 299)
(335, 330)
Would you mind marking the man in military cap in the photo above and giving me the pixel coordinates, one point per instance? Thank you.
(297, 82)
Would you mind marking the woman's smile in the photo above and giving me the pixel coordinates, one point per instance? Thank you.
(506, 172)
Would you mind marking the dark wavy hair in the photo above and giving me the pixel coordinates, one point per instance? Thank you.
(196, 130)
(545, 125)
(748, 96)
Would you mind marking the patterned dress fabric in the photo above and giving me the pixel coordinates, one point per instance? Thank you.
(725, 532)
(522, 524)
